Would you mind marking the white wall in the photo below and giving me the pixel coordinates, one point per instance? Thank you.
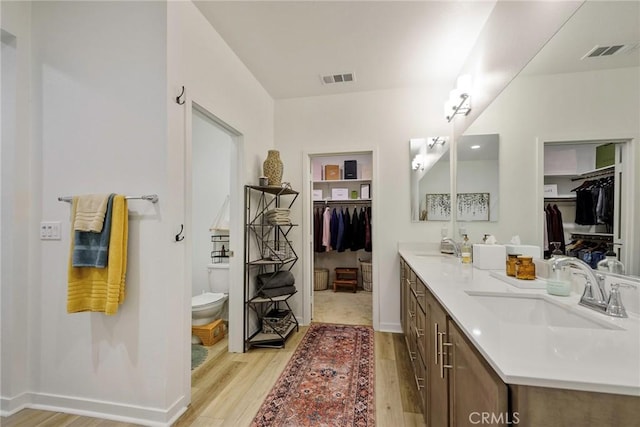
(381, 120)
(219, 82)
(101, 124)
(105, 119)
(571, 107)
(20, 260)
(480, 176)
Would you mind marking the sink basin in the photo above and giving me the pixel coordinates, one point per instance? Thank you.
(434, 255)
(535, 309)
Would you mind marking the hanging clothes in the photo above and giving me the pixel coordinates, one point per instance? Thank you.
(367, 230)
(334, 229)
(346, 239)
(317, 230)
(326, 229)
(555, 228)
(595, 201)
(362, 228)
(340, 238)
(355, 230)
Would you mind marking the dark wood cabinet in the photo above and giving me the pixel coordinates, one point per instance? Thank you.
(437, 414)
(452, 378)
(475, 390)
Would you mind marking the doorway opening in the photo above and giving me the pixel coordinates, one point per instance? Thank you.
(587, 195)
(214, 234)
(341, 229)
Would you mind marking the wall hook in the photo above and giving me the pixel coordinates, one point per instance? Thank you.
(180, 96)
(180, 238)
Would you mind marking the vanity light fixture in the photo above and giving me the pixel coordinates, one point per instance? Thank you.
(417, 163)
(433, 140)
(459, 101)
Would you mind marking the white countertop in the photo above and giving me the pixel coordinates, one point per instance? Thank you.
(599, 360)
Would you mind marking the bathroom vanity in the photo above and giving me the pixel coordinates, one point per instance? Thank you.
(486, 352)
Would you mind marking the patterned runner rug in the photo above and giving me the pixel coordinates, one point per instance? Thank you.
(329, 381)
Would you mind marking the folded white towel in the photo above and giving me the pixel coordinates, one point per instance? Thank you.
(90, 212)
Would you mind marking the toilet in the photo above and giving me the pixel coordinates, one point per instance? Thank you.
(207, 307)
(211, 305)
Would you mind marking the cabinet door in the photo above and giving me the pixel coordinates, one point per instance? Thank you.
(437, 414)
(475, 390)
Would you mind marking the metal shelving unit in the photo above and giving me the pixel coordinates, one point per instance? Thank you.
(267, 250)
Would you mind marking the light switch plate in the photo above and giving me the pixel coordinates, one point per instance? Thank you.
(50, 230)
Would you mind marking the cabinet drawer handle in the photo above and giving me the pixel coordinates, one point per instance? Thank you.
(436, 343)
(419, 333)
(412, 355)
(441, 353)
(419, 382)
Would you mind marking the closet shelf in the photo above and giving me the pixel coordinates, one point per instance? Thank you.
(333, 181)
(561, 198)
(605, 171)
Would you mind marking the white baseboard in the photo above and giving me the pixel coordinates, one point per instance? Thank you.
(9, 406)
(391, 327)
(132, 414)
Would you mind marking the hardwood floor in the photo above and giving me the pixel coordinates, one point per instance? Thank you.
(227, 389)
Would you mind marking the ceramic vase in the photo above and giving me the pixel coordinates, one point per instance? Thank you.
(272, 168)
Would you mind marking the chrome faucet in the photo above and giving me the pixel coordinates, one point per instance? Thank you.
(454, 245)
(594, 295)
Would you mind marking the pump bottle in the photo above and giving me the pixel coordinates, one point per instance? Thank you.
(465, 250)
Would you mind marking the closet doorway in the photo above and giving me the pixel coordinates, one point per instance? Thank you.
(341, 221)
(587, 199)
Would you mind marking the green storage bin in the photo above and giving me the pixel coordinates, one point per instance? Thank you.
(605, 155)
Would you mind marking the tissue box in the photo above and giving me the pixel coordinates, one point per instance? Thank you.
(526, 250)
(489, 257)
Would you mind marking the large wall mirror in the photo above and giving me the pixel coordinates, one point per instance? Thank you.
(477, 177)
(430, 179)
(569, 92)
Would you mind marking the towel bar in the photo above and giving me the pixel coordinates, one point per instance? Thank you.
(153, 198)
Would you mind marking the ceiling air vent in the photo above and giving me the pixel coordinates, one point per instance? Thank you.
(599, 51)
(337, 78)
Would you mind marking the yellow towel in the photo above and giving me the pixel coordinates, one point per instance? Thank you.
(101, 289)
(90, 211)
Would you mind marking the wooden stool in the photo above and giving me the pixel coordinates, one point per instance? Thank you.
(346, 277)
(210, 333)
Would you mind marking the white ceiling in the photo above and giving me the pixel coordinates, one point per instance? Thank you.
(288, 45)
(596, 23)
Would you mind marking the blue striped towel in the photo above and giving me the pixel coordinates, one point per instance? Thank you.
(92, 249)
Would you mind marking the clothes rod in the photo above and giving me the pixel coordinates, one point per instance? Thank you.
(153, 198)
(342, 202)
(608, 171)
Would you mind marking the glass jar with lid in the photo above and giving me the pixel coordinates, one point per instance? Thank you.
(525, 268)
(512, 259)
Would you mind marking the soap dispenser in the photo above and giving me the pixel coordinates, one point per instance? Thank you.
(465, 250)
(559, 281)
(610, 263)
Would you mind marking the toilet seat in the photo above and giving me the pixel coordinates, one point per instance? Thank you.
(206, 299)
